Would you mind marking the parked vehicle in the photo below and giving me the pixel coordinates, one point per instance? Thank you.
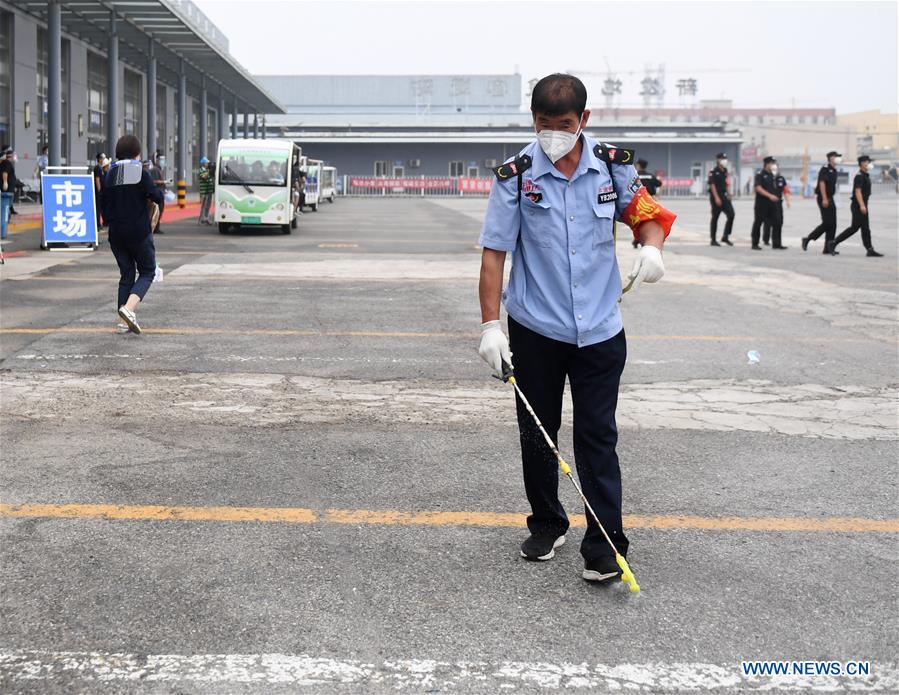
(329, 184)
(254, 184)
(313, 169)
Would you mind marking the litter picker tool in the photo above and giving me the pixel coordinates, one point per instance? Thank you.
(627, 576)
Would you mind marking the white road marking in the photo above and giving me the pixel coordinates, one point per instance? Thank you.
(265, 359)
(348, 267)
(414, 674)
(868, 311)
(723, 405)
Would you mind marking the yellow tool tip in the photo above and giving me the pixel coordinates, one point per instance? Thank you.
(512, 380)
(626, 575)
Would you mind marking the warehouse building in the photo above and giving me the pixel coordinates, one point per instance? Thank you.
(457, 125)
(77, 75)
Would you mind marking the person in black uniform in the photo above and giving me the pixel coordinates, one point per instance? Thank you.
(772, 230)
(765, 200)
(826, 187)
(861, 191)
(124, 197)
(719, 197)
(650, 182)
(8, 175)
(98, 185)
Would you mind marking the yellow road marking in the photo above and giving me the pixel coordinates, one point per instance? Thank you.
(299, 515)
(260, 331)
(290, 332)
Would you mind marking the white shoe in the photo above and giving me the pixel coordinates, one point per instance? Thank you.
(129, 318)
(122, 328)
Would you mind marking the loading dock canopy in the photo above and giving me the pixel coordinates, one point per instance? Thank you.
(178, 30)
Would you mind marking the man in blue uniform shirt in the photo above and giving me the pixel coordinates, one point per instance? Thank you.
(553, 208)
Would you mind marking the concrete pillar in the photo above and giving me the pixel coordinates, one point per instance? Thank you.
(54, 83)
(255, 126)
(246, 124)
(78, 152)
(263, 126)
(223, 115)
(112, 92)
(234, 119)
(151, 99)
(181, 154)
(204, 119)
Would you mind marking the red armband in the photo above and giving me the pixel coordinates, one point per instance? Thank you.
(643, 208)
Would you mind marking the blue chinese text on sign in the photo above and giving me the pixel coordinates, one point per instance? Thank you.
(70, 208)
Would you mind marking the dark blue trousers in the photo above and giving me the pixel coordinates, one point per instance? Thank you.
(594, 374)
(137, 265)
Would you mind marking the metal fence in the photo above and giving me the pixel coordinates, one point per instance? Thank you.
(451, 186)
(416, 186)
(469, 187)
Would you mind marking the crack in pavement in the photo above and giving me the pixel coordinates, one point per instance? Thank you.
(869, 312)
(752, 405)
(412, 675)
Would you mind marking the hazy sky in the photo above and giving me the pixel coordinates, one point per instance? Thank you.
(841, 54)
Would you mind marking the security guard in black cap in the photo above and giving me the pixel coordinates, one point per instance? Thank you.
(772, 231)
(719, 197)
(825, 189)
(861, 191)
(650, 182)
(765, 200)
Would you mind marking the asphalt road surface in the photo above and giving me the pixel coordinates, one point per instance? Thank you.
(301, 478)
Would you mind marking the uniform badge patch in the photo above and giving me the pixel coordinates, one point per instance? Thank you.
(532, 191)
(607, 195)
(617, 155)
(514, 168)
(635, 184)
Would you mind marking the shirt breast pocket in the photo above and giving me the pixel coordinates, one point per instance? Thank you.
(603, 214)
(536, 223)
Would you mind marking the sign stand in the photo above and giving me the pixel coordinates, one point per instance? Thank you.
(69, 212)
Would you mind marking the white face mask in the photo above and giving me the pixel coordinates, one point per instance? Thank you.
(836, 161)
(722, 163)
(774, 169)
(869, 166)
(557, 143)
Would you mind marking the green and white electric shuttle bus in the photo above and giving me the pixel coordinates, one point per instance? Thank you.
(329, 184)
(254, 184)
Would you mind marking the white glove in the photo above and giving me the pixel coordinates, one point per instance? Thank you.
(647, 268)
(494, 347)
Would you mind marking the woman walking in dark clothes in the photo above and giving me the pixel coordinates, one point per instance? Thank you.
(124, 196)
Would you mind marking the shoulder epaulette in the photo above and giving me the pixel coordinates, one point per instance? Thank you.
(516, 167)
(617, 155)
